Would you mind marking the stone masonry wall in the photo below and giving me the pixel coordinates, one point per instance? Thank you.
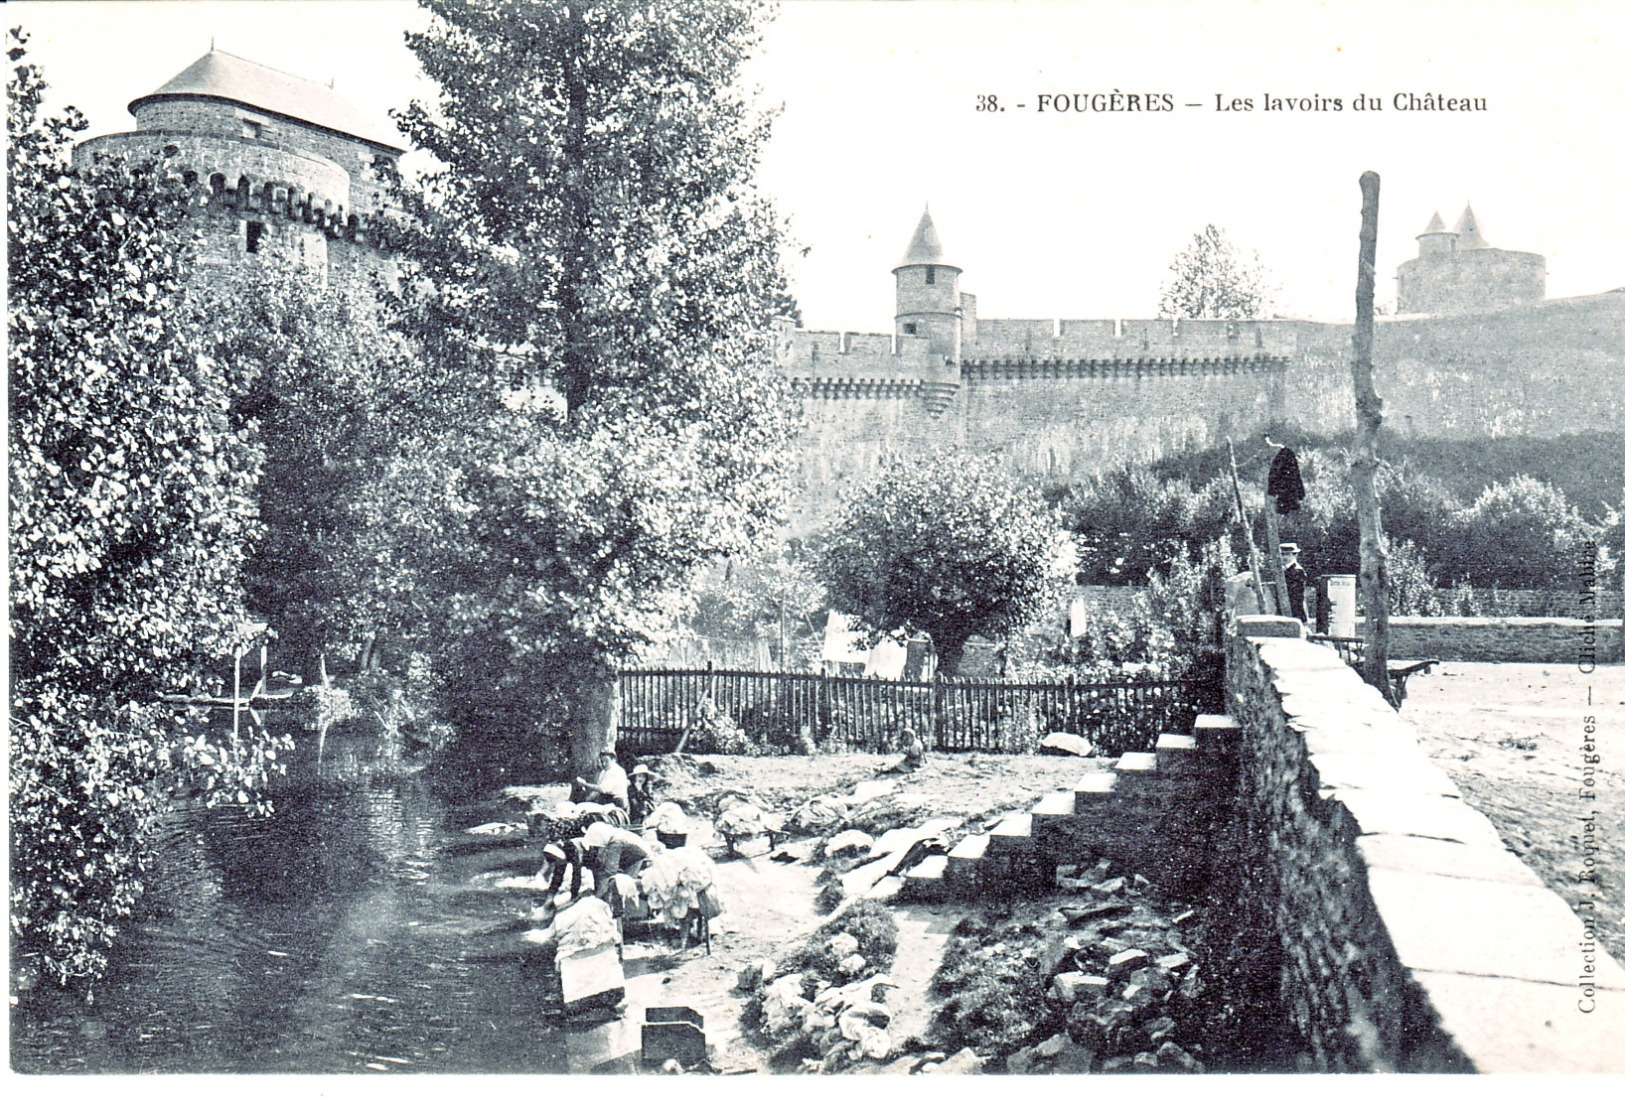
(1409, 938)
(1076, 398)
(1504, 639)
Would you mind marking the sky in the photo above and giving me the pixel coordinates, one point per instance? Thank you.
(1052, 213)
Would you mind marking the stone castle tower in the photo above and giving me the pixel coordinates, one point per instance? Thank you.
(1457, 272)
(928, 301)
(292, 169)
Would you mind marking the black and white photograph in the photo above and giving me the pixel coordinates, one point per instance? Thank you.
(634, 541)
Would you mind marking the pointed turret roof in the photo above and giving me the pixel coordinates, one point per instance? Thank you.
(1434, 226)
(229, 78)
(926, 247)
(1467, 231)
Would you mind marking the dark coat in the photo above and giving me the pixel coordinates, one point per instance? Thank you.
(1285, 485)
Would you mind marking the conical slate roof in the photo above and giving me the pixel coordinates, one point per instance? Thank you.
(1467, 232)
(230, 78)
(926, 247)
(1434, 226)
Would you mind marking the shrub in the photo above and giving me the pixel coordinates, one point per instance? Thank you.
(868, 921)
(714, 731)
(992, 987)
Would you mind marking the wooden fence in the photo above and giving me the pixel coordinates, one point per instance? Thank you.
(953, 715)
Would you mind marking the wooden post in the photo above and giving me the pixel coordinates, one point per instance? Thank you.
(1363, 465)
(936, 710)
(1272, 539)
(1247, 530)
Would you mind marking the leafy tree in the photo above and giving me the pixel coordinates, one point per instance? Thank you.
(1168, 627)
(330, 393)
(1411, 590)
(1518, 533)
(945, 546)
(131, 504)
(1212, 278)
(1131, 522)
(774, 593)
(593, 228)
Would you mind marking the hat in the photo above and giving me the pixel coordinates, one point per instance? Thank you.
(598, 835)
(1289, 548)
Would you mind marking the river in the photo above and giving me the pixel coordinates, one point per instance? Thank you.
(358, 928)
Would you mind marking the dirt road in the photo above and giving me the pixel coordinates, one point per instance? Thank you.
(1512, 736)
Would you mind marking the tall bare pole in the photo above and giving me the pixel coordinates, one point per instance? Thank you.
(1363, 467)
(1247, 530)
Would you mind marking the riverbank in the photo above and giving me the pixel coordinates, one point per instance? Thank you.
(996, 1006)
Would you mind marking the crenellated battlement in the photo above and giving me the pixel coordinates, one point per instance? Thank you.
(286, 168)
(248, 177)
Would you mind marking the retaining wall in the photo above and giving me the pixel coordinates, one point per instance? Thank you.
(1408, 937)
(1504, 639)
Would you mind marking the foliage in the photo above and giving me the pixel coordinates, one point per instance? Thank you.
(1411, 590)
(750, 597)
(322, 705)
(713, 731)
(991, 987)
(868, 921)
(330, 394)
(1517, 533)
(1212, 278)
(1131, 522)
(131, 505)
(945, 546)
(593, 229)
(1169, 629)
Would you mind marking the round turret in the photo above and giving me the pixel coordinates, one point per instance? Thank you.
(928, 295)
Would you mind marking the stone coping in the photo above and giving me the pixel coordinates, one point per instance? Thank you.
(1510, 973)
(1502, 622)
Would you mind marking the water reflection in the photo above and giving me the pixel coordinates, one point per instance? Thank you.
(355, 929)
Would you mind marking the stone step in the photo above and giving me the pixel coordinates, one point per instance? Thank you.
(1177, 754)
(1215, 730)
(928, 880)
(1051, 816)
(969, 848)
(1013, 835)
(1094, 789)
(1057, 804)
(1137, 765)
(964, 869)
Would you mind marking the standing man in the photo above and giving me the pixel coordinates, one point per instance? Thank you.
(1296, 579)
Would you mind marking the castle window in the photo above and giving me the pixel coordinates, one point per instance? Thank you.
(911, 328)
(253, 234)
(930, 276)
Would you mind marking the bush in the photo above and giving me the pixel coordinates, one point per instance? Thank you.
(1411, 592)
(992, 987)
(713, 731)
(868, 921)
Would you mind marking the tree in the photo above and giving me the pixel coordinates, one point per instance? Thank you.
(131, 506)
(594, 228)
(1518, 533)
(774, 593)
(947, 547)
(1131, 522)
(329, 395)
(1374, 591)
(1212, 278)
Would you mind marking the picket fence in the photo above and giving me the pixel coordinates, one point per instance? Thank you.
(865, 714)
